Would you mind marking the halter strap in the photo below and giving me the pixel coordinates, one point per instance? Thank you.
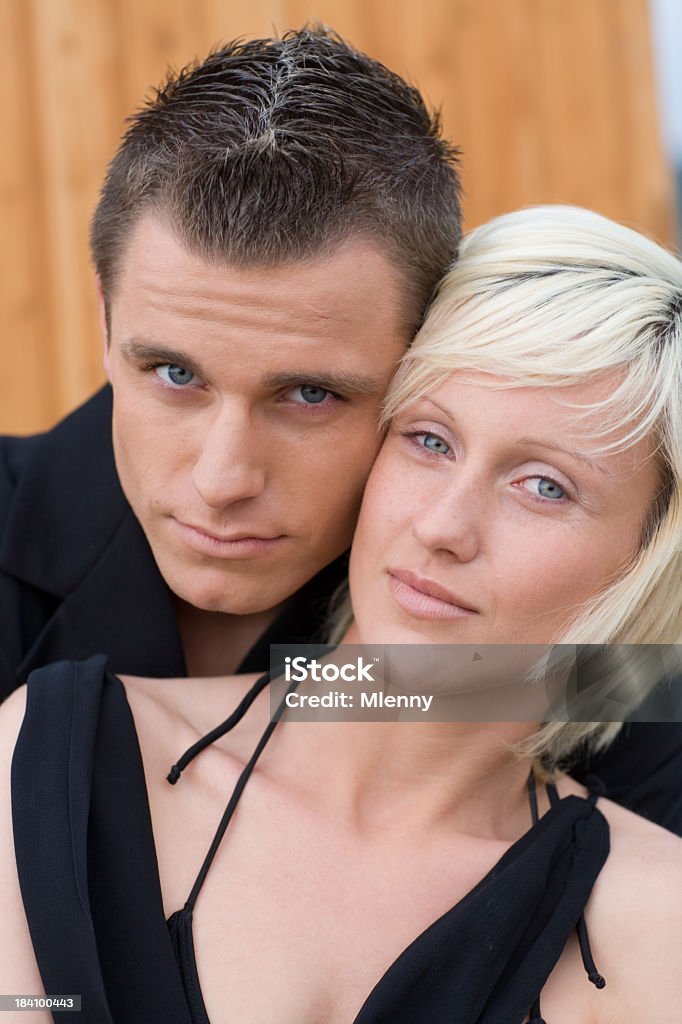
(204, 742)
(596, 789)
(220, 730)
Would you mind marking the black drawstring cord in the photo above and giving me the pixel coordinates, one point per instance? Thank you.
(220, 730)
(533, 797)
(586, 953)
(535, 1017)
(232, 804)
(597, 789)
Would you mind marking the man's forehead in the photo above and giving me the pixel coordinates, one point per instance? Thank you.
(342, 315)
(157, 260)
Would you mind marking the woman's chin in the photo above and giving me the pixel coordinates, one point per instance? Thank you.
(383, 632)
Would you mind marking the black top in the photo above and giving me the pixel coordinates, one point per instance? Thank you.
(90, 885)
(77, 577)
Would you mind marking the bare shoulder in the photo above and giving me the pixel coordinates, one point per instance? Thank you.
(644, 866)
(12, 714)
(634, 918)
(18, 968)
(12, 711)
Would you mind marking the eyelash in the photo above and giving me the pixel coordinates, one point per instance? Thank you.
(149, 368)
(314, 408)
(412, 435)
(311, 408)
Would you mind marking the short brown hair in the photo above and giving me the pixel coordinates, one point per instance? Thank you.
(276, 150)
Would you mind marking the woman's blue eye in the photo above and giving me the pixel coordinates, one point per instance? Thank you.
(436, 444)
(548, 489)
(312, 395)
(178, 376)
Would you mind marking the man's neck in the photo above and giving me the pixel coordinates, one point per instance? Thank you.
(214, 643)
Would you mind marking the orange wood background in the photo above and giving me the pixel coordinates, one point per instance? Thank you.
(551, 101)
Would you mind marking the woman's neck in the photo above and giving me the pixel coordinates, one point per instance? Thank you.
(412, 775)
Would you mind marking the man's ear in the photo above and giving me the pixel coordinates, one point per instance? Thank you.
(103, 325)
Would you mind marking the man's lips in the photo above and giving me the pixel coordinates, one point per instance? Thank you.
(426, 598)
(239, 544)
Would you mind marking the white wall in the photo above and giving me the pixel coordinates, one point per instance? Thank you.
(667, 36)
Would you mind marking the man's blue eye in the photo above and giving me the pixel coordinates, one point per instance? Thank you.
(178, 376)
(548, 489)
(436, 444)
(312, 395)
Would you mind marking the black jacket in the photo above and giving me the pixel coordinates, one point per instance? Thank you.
(77, 578)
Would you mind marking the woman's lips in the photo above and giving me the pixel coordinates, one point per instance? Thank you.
(425, 598)
(239, 545)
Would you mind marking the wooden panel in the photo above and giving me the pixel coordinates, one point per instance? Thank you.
(75, 79)
(551, 101)
(26, 398)
(170, 33)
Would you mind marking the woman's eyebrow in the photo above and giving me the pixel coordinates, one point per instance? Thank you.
(555, 447)
(550, 445)
(443, 409)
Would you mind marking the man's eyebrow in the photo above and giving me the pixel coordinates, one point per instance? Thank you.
(550, 445)
(134, 349)
(346, 383)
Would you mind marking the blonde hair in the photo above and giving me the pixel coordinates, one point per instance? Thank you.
(550, 297)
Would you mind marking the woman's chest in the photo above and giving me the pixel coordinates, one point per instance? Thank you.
(296, 916)
(297, 921)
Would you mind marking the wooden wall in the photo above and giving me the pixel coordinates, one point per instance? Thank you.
(551, 101)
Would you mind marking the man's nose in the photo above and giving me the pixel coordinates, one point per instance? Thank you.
(452, 519)
(231, 463)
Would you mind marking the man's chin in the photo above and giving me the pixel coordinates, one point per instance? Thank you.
(224, 603)
(224, 596)
(228, 593)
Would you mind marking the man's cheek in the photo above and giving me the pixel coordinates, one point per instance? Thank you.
(152, 445)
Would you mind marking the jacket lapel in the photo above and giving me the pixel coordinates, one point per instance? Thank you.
(96, 617)
(70, 533)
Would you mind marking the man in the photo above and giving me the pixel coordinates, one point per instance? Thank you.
(267, 238)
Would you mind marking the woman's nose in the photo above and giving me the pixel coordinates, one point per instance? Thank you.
(452, 520)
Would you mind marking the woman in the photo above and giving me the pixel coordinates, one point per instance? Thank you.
(528, 491)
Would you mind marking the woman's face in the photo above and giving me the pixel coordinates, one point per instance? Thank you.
(489, 517)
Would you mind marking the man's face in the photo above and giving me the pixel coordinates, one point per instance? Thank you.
(245, 410)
